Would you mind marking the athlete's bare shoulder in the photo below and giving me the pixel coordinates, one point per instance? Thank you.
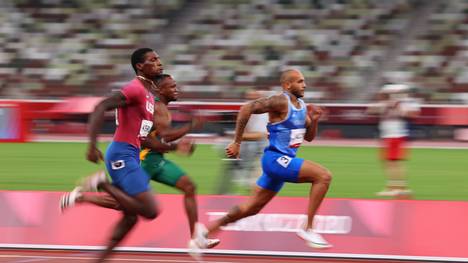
(272, 104)
(161, 107)
(116, 100)
(279, 102)
(161, 110)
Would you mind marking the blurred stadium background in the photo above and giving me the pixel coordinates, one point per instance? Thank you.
(58, 58)
(52, 49)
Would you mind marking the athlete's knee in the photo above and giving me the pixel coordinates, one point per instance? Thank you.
(186, 185)
(325, 177)
(190, 188)
(151, 215)
(151, 212)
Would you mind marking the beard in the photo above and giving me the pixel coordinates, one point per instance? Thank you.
(298, 94)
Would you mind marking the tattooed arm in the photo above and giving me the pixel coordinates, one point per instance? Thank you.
(271, 105)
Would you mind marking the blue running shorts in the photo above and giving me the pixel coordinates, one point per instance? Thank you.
(123, 164)
(277, 169)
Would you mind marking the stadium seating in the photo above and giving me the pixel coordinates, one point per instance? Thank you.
(58, 48)
(218, 49)
(245, 47)
(436, 61)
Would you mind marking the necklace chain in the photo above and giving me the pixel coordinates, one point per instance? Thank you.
(148, 80)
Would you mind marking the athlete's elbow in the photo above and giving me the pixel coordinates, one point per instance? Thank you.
(101, 108)
(246, 109)
(98, 108)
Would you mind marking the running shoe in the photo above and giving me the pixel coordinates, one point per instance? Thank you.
(69, 199)
(91, 183)
(313, 239)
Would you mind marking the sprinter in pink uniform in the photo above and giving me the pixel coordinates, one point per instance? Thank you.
(130, 183)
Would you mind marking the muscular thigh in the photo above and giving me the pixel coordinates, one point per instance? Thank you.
(278, 169)
(311, 171)
(163, 171)
(126, 173)
(281, 167)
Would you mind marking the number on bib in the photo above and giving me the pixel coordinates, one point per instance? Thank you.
(297, 137)
(145, 128)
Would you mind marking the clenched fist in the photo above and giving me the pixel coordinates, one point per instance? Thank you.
(314, 112)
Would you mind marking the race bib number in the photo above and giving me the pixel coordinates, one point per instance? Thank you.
(297, 137)
(284, 161)
(145, 128)
(150, 107)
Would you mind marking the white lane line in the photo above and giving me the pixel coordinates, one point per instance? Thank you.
(36, 259)
(321, 255)
(39, 258)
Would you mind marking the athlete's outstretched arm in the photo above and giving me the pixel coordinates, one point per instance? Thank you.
(158, 146)
(163, 127)
(313, 116)
(258, 106)
(169, 133)
(95, 121)
(156, 141)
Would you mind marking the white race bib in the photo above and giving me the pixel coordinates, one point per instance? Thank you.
(297, 137)
(284, 161)
(145, 128)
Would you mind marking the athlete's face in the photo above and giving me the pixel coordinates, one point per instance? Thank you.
(297, 84)
(168, 89)
(151, 66)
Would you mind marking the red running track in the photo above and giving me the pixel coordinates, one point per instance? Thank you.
(71, 256)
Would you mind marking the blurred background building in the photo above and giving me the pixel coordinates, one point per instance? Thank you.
(59, 58)
(219, 49)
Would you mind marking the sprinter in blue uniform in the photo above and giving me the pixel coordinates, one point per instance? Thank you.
(290, 123)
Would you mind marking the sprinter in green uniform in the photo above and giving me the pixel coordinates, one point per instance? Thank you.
(153, 162)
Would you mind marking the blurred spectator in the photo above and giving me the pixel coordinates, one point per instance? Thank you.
(246, 170)
(54, 49)
(395, 109)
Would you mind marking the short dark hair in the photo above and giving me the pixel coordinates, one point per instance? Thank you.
(158, 79)
(138, 56)
(286, 75)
